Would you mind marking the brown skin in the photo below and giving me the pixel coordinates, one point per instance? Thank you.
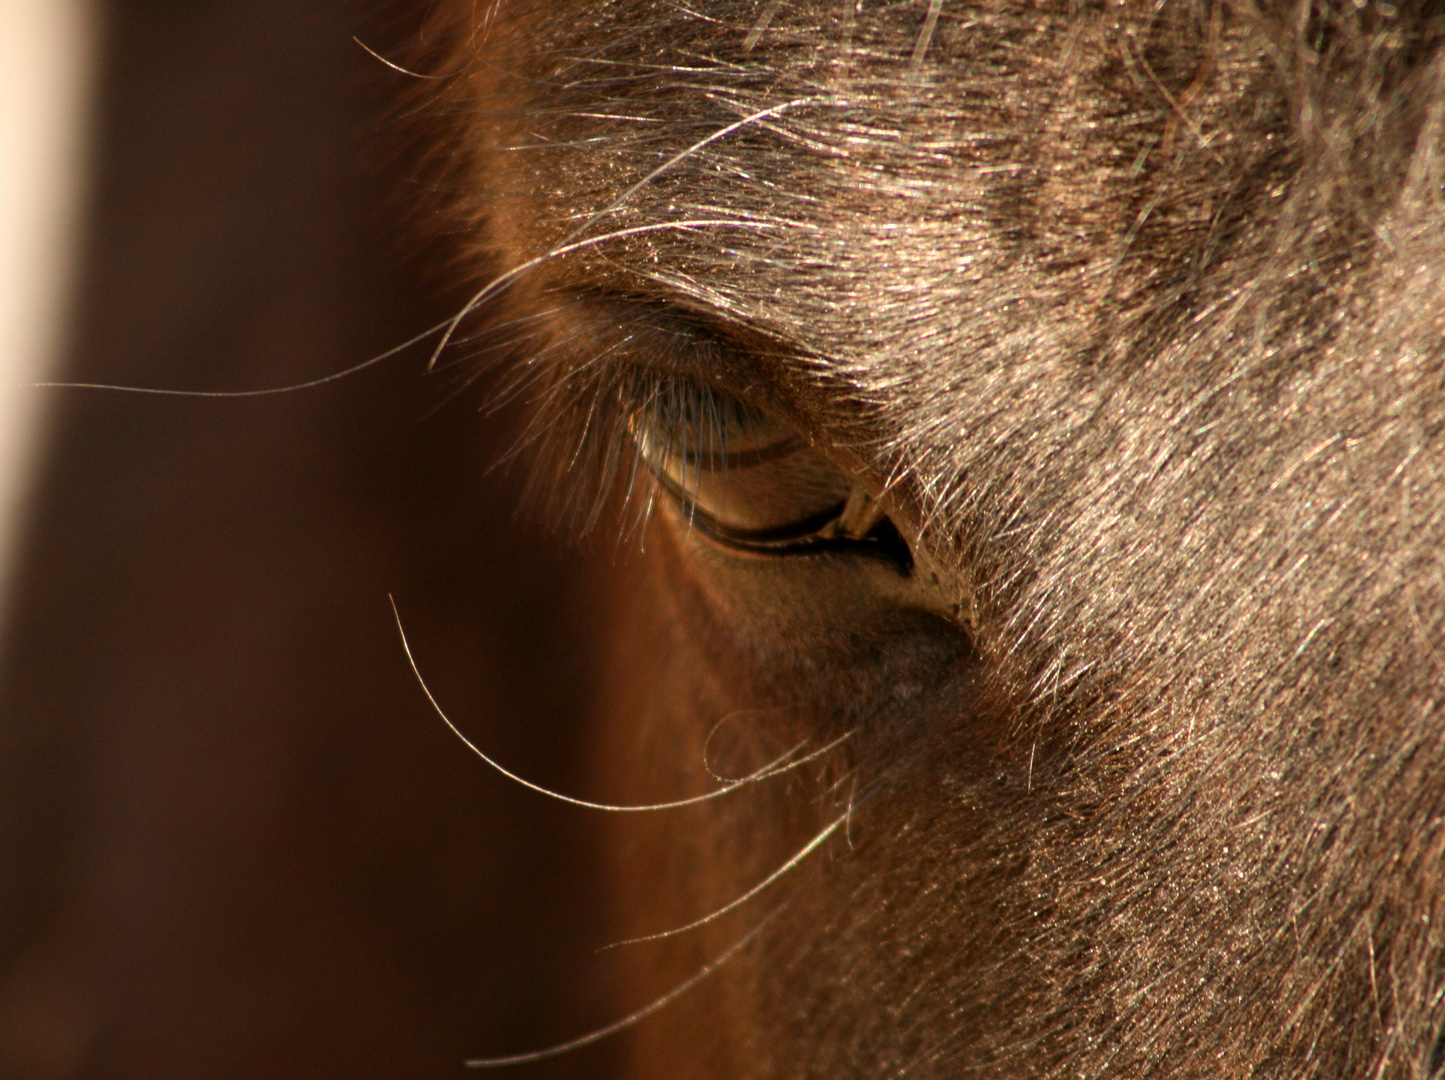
(1131, 317)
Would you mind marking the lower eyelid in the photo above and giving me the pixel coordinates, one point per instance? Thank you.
(779, 536)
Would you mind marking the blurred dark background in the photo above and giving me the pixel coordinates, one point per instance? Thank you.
(234, 839)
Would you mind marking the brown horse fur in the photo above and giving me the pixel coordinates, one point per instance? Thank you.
(1132, 315)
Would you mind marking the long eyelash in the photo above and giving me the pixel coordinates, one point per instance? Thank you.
(579, 437)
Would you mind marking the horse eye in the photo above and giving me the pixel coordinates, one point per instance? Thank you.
(738, 473)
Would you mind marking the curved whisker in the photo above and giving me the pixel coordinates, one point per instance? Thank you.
(391, 64)
(447, 328)
(807, 849)
(776, 767)
(567, 244)
(335, 376)
(641, 1014)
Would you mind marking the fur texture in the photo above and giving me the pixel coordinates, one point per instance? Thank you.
(1135, 313)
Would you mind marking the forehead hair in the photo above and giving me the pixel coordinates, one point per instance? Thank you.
(1090, 284)
(1110, 176)
(944, 193)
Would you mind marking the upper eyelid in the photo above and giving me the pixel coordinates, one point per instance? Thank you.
(707, 400)
(591, 372)
(667, 341)
(744, 459)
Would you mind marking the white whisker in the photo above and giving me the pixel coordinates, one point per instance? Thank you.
(807, 849)
(640, 1014)
(307, 385)
(767, 772)
(388, 63)
(497, 284)
(777, 762)
(567, 244)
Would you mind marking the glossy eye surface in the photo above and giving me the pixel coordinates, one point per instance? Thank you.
(744, 477)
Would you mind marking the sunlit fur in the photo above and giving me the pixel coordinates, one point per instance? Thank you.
(1137, 310)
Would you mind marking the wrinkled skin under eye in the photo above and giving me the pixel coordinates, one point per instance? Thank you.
(749, 481)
